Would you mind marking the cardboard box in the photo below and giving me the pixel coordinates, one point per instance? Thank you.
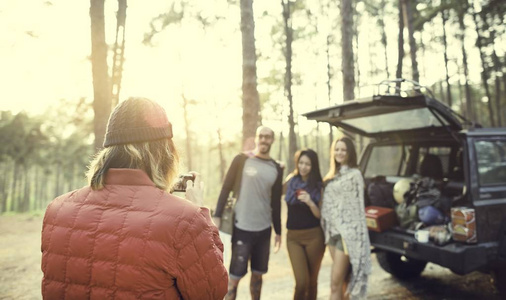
(380, 218)
(464, 224)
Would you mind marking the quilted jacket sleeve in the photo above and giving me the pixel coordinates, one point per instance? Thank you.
(201, 273)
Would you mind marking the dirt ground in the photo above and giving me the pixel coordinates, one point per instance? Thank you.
(20, 273)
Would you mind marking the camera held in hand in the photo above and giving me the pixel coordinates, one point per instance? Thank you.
(180, 185)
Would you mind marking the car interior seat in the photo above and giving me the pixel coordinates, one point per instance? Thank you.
(458, 171)
(431, 166)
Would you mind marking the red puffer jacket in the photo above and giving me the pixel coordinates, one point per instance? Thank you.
(130, 240)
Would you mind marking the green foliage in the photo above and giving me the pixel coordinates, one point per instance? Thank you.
(173, 16)
(20, 137)
(178, 12)
(43, 156)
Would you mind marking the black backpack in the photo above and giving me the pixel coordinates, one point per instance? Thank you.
(380, 192)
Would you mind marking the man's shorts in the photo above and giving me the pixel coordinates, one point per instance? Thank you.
(338, 242)
(246, 245)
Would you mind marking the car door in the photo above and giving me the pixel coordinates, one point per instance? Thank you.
(487, 168)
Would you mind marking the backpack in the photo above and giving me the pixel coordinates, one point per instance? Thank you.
(380, 192)
(407, 215)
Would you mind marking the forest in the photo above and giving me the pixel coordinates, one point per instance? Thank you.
(288, 58)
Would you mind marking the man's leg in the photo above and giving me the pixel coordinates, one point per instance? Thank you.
(232, 289)
(259, 261)
(255, 286)
(241, 248)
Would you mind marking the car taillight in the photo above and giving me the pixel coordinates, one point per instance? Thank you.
(464, 224)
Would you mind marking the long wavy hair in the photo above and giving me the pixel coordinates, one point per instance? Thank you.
(314, 177)
(159, 159)
(351, 159)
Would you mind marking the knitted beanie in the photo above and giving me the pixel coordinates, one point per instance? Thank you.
(137, 120)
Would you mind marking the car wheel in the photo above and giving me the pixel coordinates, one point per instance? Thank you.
(499, 276)
(400, 266)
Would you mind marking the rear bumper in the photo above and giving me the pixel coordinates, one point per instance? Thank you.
(460, 258)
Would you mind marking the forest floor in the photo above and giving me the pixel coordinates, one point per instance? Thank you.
(20, 273)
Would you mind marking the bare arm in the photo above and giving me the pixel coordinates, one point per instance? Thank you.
(306, 199)
(285, 183)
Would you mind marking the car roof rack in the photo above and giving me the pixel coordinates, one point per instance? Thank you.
(401, 87)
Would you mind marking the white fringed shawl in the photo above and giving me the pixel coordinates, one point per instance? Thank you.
(343, 213)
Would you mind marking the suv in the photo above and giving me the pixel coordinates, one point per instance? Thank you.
(405, 126)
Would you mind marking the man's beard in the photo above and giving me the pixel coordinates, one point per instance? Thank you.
(266, 151)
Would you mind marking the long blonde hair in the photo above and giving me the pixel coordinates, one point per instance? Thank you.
(159, 159)
(350, 152)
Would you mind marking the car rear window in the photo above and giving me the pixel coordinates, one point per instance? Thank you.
(390, 160)
(397, 160)
(398, 121)
(491, 156)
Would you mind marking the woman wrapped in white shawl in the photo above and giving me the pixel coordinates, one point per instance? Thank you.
(343, 222)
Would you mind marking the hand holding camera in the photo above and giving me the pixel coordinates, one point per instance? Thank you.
(194, 188)
(182, 182)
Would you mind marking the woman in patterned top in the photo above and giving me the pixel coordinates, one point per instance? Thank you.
(304, 238)
(343, 222)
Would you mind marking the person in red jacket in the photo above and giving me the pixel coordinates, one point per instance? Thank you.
(124, 236)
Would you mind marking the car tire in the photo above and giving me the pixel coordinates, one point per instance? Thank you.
(400, 267)
(499, 276)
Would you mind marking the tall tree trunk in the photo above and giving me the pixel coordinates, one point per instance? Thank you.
(329, 78)
(484, 73)
(281, 142)
(461, 95)
(44, 190)
(504, 77)
(497, 70)
(356, 65)
(384, 35)
(37, 186)
(119, 51)
(188, 133)
(328, 42)
(442, 91)
(101, 91)
(347, 60)
(497, 94)
(317, 138)
(374, 69)
(57, 181)
(504, 72)
(3, 187)
(408, 19)
(400, 44)
(250, 98)
(25, 200)
(72, 177)
(292, 138)
(423, 52)
(14, 188)
(444, 17)
(221, 155)
(469, 105)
